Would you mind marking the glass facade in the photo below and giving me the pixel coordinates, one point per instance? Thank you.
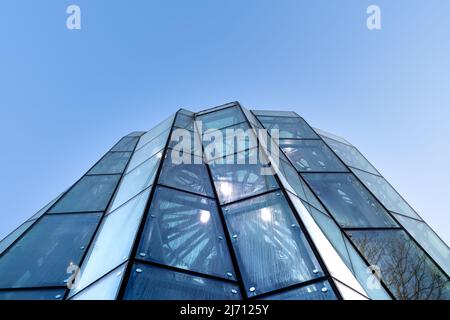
(203, 207)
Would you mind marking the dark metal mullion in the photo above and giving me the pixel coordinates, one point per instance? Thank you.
(300, 222)
(111, 199)
(338, 225)
(186, 191)
(138, 235)
(185, 271)
(263, 193)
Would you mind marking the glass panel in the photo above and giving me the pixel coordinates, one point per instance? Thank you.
(237, 181)
(154, 283)
(43, 255)
(348, 201)
(184, 121)
(326, 134)
(289, 127)
(126, 144)
(156, 131)
(348, 293)
(91, 193)
(13, 236)
(295, 184)
(43, 294)
(221, 119)
(317, 291)
(136, 181)
(362, 272)
(351, 156)
(426, 237)
(112, 162)
(385, 193)
(275, 113)
(185, 231)
(311, 155)
(113, 241)
(271, 248)
(148, 151)
(186, 141)
(104, 289)
(224, 106)
(404, 268)
(136, 134)
(191, 176)
(220, 143)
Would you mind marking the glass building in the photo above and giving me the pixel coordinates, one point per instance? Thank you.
(311, 219)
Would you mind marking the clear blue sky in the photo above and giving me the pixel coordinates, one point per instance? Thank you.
(67, 96)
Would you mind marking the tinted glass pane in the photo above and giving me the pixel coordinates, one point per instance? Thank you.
(112, 162)
(191, 176)
(105, 289)
(220, 143)
(13, 236)
(44, 209)
(153, 283)
(426, 237)
(275, 113)
(186, 141)
(348, 201)
(221, 119)
(148, 151)
(289, 127)
(184, 121)
(113, 241)
(185, 231)
(351, 156)
(385, 193)
(325, 134)
(136, 181)
(126, 144)
(44, 294)
(136, 134)
(156, 131)
(237, 181)
(295, 184)
(42, 256)
(405, 269)
(224, 106)
(316, 291)
(311, 155)
(271, 248)
(91, 193)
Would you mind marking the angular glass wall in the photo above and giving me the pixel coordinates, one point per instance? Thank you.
(202, 206)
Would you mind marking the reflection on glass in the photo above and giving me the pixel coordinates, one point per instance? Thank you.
(351, 156)
(91, 193)
(149, 150)
(126, 144)
(190, 176)
(348, 201)
(237, 181)
(36, 294)
(385, 193)
(111, 163)
(156, 131)
(404, 267)
(271, 248)
(42, 256)
(137, 180)
(104, 289)
(221, 119)
(426, 237)
(311, 155)
(154, 283)
(113, 241)
(294, 127)
(184, 231)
